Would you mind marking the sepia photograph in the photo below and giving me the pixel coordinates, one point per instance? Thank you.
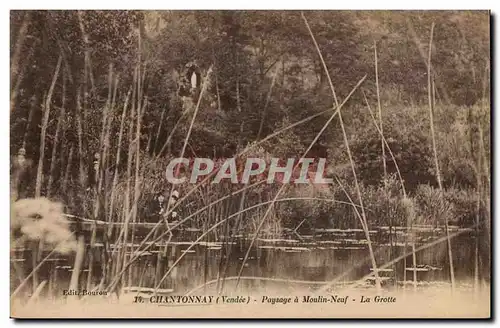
(250, 164)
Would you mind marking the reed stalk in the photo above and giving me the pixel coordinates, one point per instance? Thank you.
(386, 145)
(380, 112)
(247, 149)
(186, 139)
(99, 182)
(405, 197)
(395, 260)
(351, 161)
(268, 98)
(243, 196)
(143, 242)
(33, 104)
(235, 215)
(105, 254)
(45, 123)
(37, 251)
(424, 57)
(140, 111)
(164, 110)
(23, 31)
(35, 269)
(182, 154)
(56, 137)
(244, 151)
(263, 219)
(129, 169)
(107, 144)
(170, 136)
(80, 247)
(117, 161)
(234, 232)
(64, 185)
(478, 211)
(34, 298)
(436, 161)
(20, 77)
(16, 58)
(421, 248)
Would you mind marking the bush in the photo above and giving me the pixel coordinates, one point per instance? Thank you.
(464, 207)
(458, 207)
(383, 206)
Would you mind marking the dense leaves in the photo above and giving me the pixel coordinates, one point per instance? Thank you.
(265, 75)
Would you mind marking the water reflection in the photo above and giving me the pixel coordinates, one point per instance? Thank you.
(324, 256)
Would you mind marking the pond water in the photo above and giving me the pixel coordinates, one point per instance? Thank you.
(325, 255)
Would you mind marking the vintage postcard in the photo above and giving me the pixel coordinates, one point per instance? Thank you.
(250, 164)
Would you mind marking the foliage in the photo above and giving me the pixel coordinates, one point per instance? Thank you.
(265, 75)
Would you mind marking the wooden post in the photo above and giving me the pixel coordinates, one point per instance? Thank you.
(35, 251)
(96, 215)
(158, 268)
(77, 266)
(53, 292)
(91, 256)
(171, 261)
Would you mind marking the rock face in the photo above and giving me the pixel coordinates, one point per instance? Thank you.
(189, 85)
(190, 80)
